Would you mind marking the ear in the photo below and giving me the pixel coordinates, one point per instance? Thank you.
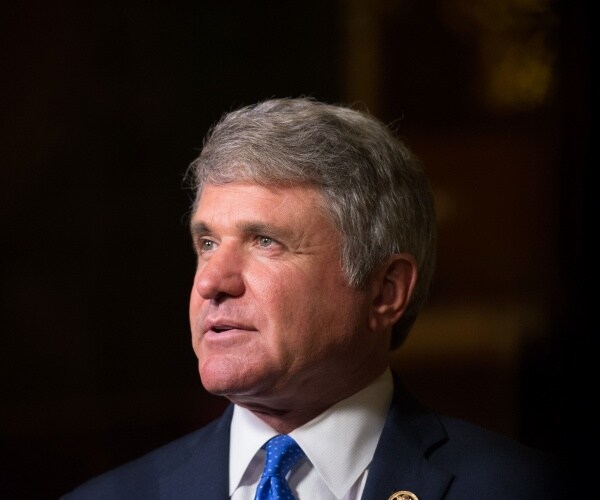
(392, 287)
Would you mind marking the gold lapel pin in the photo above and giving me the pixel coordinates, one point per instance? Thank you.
(403, 495)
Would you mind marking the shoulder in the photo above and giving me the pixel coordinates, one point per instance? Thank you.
(141, 478)
(474, 442)
(474, 462)
(484, 461)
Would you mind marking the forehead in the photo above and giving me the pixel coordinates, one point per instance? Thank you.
(236, 201)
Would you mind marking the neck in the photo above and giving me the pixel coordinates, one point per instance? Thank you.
(285, 422)
(286, 415)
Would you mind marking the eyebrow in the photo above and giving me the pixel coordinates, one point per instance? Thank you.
(201, 228)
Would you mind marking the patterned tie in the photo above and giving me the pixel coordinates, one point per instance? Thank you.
(282, 454)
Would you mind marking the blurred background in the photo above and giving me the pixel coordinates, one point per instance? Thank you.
(105, 104)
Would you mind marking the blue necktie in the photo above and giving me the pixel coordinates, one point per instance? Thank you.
(282, 454)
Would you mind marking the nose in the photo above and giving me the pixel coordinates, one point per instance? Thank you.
(220, 276)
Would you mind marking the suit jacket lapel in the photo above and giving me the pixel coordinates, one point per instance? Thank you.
(205, 472)
(400, 460)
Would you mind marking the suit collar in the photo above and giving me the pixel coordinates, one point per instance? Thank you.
(401, 458)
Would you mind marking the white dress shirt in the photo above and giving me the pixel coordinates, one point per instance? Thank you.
(339, 445)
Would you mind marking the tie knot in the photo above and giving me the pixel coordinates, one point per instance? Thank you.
(282, 454)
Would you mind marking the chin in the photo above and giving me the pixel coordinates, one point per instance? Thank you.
(222, 379)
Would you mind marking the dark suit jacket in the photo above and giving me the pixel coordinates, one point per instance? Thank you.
(432, 456)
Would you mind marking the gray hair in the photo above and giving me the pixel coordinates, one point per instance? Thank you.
(373, 187)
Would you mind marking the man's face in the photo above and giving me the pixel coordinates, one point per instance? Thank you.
(273, 319)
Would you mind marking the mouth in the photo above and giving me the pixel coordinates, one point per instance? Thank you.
(227, 336)
(220, 327)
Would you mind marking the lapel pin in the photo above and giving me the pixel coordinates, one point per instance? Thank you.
(403, 495)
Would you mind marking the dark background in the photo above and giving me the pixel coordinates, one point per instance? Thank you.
(104, 105)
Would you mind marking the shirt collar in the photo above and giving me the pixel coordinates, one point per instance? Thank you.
(351, 428)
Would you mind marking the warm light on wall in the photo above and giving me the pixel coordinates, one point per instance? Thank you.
(514, 40)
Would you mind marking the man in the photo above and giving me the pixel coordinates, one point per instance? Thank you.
(315, 235)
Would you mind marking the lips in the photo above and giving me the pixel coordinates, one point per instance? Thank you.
(220, 329)
(224, 325)
(225, 328)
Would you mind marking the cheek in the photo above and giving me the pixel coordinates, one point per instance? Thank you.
(194, 296)
(194, 307)
(312, 319)
(339, 314)
(197, 312)
(270, 292)
(284, 313)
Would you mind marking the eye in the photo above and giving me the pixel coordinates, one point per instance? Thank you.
(264, 241)
(206, 246)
